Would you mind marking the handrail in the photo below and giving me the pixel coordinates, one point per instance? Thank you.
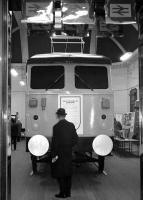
(67, 40)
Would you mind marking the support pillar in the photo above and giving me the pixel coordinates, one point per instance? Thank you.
(93, 41)
(3, 98)
(139, 12)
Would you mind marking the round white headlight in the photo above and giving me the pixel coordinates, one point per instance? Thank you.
(38, 145)
(102, 145)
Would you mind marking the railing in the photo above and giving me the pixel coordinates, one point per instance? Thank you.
(62, 39)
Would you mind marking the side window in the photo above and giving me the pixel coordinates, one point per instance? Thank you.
(47, 77)
(91, 77)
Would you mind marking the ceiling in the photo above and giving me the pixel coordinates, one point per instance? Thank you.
(112, 40)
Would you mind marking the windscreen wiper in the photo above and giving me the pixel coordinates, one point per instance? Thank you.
(54, 82)
(84, 82)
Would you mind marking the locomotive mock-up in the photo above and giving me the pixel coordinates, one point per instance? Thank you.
(79, 83)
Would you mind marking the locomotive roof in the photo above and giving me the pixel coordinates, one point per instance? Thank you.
(68, 57)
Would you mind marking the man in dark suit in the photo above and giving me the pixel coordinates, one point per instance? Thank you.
(64, 138)
(14, 132)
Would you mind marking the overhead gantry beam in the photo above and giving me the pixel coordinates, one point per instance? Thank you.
(118, 44)
(23, 36)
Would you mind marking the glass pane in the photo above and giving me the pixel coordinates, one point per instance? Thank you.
(91, 77)
(47, 77)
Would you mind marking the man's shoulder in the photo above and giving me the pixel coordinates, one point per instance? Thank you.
(60, 123)
(56, 125)
(70, 123)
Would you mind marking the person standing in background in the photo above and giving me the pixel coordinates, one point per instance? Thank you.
(64, 138)
(19, 124)
(117, 128)
(14, 132)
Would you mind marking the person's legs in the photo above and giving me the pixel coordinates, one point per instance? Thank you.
(34, 164)
(101, 163)
(18, 138)
(14, 142)
(64, 186)
(68, 186)
(61, 183)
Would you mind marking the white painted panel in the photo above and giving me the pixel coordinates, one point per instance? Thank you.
(119, 77)
(121, 101)
(133, 75)
(119, 86)
(125, 76)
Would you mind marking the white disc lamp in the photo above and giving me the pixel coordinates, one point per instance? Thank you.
(38, 145)
(102, 145)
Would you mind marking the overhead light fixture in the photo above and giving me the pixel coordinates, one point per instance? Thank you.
(14, 72)
(87, 35)
(126, 56)
(22, 83)
(64, 9)
(38, 12)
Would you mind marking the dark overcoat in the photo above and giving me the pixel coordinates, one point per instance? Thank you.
(64, 138)
(14, 130)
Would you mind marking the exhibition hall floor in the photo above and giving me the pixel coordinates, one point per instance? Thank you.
(122, 181)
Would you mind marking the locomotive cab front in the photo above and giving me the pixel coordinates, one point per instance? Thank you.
(80, 83)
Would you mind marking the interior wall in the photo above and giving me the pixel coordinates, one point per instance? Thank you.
(18, 95)
(133, 76)
(18, 105)
(125, 76)
(119, 86)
